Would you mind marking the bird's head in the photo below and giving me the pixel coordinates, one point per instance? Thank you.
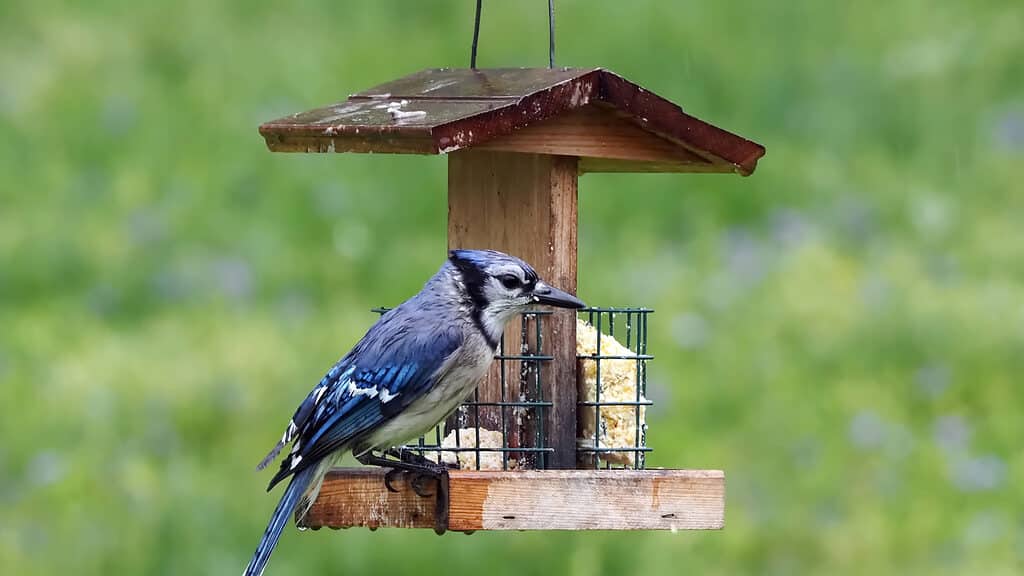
(499, 285)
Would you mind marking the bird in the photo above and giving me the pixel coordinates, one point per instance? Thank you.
(410, 370)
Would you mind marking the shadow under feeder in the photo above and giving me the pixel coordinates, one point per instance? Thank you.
(517, 140)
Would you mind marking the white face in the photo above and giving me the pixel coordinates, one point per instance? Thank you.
(508, 290)
(495, 287)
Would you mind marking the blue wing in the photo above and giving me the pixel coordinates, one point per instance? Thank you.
(391, 367)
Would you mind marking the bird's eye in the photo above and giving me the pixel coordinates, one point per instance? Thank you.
(509, 281)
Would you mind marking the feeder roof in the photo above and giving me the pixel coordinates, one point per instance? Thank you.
(610, 123)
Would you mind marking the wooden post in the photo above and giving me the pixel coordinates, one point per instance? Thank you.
(525, 205)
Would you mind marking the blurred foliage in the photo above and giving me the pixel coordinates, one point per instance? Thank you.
(843, 332)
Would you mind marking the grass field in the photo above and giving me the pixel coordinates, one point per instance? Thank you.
(843, 332)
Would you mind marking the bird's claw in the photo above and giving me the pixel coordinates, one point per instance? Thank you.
(410, 457)
(419, 480)
(421, 483)
(389, 477)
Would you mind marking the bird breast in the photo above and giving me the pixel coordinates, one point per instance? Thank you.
(457, 377)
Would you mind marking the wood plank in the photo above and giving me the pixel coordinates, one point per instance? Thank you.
(530, 500)
(596, 165)
(669, 120)
(594, 132)
(351, 497)
(525, 205)
(397, 143)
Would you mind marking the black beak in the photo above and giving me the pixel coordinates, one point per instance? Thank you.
(544, 294)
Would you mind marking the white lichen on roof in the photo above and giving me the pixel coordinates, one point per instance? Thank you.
(343, 112)
(618, 424)
(403, 115)
(394, 109)
(439, 84)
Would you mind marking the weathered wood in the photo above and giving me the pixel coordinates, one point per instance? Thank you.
(444, 110)
(525, 205)
(357, 497)
(600, 132)
(405, 143)
(594, 165)
(530, 500)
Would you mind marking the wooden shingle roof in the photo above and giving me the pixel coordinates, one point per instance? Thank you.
(610, 123)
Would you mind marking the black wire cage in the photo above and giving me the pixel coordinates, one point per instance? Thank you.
(612, 388)
(506, 432)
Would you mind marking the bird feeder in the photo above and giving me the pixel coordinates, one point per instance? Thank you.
(517, 140)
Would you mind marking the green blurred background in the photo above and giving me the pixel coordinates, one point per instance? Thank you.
(843, 332)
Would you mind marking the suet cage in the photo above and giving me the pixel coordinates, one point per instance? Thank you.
(507, 432)
(555, 435)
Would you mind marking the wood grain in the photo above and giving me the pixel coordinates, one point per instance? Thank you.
(532, 110)
(352, 497)
(596, 165)
(531, 500)
(350, 141)
(525, 205)
(594, 132)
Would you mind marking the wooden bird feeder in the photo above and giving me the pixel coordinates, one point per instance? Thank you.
(517, 141)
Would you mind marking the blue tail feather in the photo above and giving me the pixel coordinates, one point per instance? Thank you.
(289, 499)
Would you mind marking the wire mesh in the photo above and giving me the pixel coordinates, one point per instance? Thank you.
(505, 430)
(612, 388)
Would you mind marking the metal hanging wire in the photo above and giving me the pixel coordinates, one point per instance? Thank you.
(476, 35)
(551, 34)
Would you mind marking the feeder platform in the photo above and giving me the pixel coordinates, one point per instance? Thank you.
(528, 500)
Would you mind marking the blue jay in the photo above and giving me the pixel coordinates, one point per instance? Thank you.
(408, 373)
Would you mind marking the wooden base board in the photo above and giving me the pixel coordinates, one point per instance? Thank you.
(529, 500)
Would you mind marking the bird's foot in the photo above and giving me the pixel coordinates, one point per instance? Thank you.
(390, 477)
(429, 480)
(409, 456)
(414, 456)
(417, 467)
